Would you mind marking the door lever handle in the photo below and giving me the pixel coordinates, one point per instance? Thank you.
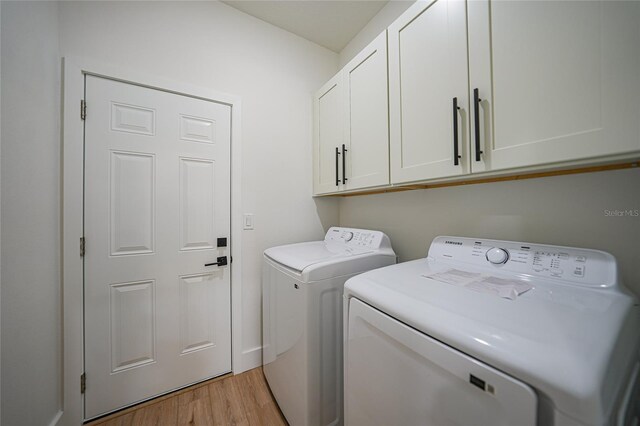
(221, 261)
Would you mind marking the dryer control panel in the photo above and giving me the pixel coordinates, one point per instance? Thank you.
(357, 238)
(584, 266)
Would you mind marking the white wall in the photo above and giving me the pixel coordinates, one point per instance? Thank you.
(0, 218)
(204, 44)
(562, 210)
(212, 45)
(376, 25)
(30, 213)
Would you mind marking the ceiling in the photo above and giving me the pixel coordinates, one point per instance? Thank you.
(329, 23)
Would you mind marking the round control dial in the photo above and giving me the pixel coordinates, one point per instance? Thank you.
(497, 255)
(347, 236)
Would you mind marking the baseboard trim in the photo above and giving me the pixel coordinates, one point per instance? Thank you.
(251, 358)
(56, 418)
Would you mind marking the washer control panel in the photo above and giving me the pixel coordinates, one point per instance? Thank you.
(584, 266)
(357, 238)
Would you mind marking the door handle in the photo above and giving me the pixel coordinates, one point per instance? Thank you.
(456, 156)
(221, 261)
(337, 167)
(476, 115)
(344, 166)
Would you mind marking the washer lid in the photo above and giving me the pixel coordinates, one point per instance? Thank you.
(572, 343)
(303, 255)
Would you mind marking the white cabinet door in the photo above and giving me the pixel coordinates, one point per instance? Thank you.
(427, 70)
(558, 80)
(157, 197)
(367, 120)
(328, 138)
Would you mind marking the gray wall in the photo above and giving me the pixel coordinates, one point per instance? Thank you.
(30, 258)
(562, 210)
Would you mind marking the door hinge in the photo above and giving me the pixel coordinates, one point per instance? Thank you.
(82, 246)
(83, 382)
(83, 109)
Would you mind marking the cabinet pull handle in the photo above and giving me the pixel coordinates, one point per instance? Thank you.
(344, 164)
(476, 115)
(337, 167)
(456, 156)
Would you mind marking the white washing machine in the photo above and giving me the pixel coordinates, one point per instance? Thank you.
(302, 319)
(486, 332)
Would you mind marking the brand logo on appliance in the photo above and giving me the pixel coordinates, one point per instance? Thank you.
(455, 243)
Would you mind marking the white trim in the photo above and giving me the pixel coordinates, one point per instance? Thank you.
(56, 418)
(72, 190)
(251, 358)
(74, 70)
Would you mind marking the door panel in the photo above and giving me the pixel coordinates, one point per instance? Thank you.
(198, 293)
(156, 198)
(367, 120)
(427, 69)
(329, 136)
(558, 80)
(133, 315)
(394, 375)
(132, 119)
(197, 201)
(132, 204)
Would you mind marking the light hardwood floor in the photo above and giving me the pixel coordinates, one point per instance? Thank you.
(244, 399)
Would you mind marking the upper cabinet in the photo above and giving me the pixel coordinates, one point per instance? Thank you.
(351, 141)
(556, 81)
(545, 83)
(428, 92)
(367, 120)
(483, 88)
(328, 136)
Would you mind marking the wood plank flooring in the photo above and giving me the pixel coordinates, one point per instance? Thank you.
(244, 399)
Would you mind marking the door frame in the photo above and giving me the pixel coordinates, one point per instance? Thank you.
(74, 71)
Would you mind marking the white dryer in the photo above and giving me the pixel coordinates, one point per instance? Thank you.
(302, 319)
(486, 332)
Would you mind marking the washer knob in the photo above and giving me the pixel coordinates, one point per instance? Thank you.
(497, 255)
(348, 236)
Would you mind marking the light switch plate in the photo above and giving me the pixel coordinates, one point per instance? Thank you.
(248, 221)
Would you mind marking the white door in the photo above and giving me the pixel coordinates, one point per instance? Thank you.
(156, 200)
(395, 375)
(427, 71)
(367, 121)
(328, 137)
(558, 80)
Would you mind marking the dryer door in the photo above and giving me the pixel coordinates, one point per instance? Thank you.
(397, 375)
